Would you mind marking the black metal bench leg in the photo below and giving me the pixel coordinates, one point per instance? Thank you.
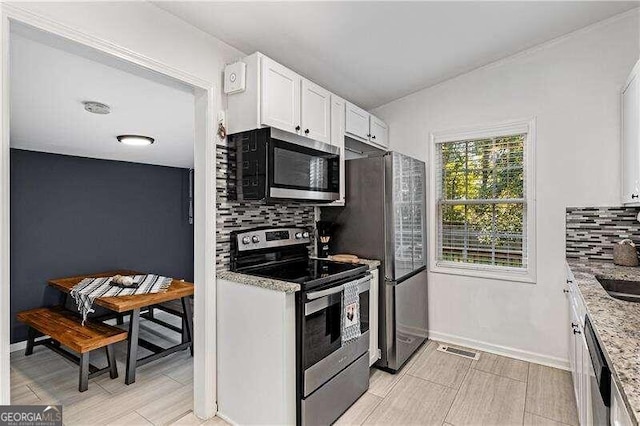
(31, 337)
(120, 319)
(84, 372)
(111, 359)
(187, 321)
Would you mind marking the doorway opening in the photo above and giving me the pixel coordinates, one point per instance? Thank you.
(82, 203)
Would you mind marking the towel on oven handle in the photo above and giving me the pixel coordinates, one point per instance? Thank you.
(350, 316)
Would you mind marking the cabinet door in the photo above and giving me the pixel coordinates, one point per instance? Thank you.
(357, 122)
(337, 137)
(575, 356)
(631, 141)
(379, 132)
(315, 112)
(279, 96)
(373, 318)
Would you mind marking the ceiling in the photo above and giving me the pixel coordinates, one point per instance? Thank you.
(374, 52)
(51, 77)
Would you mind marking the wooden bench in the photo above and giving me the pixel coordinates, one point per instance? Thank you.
(65, 328)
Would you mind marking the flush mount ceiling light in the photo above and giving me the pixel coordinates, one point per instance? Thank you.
(135, 140)
(96, 107)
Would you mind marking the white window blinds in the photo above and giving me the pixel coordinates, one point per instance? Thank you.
(481, 201)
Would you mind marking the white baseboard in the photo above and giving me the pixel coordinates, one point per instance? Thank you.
(18, 346)
(225, 418)
(536, 358)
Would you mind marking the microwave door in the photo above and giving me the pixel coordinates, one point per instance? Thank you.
(299, 172)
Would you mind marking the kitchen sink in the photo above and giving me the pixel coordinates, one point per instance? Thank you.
(621, 289)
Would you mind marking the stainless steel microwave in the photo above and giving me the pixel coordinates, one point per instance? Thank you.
(273, 165)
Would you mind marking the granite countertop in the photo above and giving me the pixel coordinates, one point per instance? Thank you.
(277, 285)
(373, 264)
(268, 283)
(616, 323)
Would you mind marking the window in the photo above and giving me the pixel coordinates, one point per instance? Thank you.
(481, 200)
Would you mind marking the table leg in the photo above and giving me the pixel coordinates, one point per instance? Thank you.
(187, 321)
(132, 346)
(111, 358)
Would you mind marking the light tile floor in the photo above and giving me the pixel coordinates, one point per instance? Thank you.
(162, 393)
(436, 388)
(433, 388)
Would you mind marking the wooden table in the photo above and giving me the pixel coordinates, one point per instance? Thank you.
(178, 290)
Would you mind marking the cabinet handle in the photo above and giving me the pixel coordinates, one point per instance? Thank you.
(306, 132)
(634, 196)
(297, 128)
(574, 325)
(575, 331)
(373, 137)
(565, 291)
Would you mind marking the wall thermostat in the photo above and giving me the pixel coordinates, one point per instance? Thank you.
(235, 77)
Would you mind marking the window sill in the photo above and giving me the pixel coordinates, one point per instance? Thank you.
(450, 268)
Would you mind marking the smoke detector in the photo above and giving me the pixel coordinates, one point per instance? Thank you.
(96, 107)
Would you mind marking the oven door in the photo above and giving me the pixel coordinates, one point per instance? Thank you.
(301, 172)
(322, 353)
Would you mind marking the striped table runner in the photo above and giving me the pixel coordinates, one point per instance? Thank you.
(89, 289)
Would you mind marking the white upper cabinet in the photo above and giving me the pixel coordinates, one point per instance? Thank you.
(337, 138)
(631, 138)
(315, 112)
(367, 128)
(379, 132)
(357, 122)
(275, 96)
(280, 96)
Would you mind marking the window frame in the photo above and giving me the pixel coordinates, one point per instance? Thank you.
(527, 274)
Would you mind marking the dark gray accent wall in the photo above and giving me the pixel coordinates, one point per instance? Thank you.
(592, 231)
(74, 215)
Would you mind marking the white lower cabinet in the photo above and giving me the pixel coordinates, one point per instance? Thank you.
(578, 352)
(374, 297)
(581, 367)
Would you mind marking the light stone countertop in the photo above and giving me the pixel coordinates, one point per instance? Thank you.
(277, 285)
(616, 323)
(373, 264)
(268, 283)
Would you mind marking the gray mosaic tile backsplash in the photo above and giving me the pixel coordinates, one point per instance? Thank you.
(234, 215)
(592, 231)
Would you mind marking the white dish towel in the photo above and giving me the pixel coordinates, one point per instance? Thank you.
(350, 312)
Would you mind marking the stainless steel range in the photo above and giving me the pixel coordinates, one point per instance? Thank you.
(331, 373)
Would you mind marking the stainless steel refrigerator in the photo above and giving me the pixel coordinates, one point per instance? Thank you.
(385, 218)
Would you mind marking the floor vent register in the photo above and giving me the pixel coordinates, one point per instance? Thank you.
(459, 352)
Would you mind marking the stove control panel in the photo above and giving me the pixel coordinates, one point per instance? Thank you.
(262, 238)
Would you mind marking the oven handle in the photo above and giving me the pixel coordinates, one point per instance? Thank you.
(333, 290)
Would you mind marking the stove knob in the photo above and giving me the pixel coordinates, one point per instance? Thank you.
(255, 239)
(305, 235)
(246, 240)
(298, 235)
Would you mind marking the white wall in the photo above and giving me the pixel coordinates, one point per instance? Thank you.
(572, 86)
(148, 30)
